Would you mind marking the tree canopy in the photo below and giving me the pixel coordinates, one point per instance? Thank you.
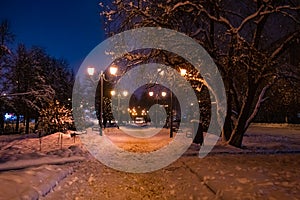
(251, 42)
(31, 81)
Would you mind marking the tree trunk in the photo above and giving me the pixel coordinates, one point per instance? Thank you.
(237, 135)
(227, 129)
(238, 132)
(1, 122)
(236, 138)
(18, 123)
(27, 123)
(36, 124)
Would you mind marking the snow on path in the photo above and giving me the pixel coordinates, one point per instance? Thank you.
(31, 183)
(229, 172)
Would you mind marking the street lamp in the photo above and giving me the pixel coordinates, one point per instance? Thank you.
(124, 93)
(113, 70)
(182, 73)
(151, 94)
(91, 72)
(113, 93)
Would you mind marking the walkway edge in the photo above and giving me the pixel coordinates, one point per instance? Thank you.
(21, 164)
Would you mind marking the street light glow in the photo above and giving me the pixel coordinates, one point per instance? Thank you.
(113, 93)
(151, 94)
(125, 93)
(182, 72)
(163, 94)
(91, 71)
(113, 70)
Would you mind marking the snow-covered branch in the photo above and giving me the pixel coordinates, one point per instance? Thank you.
(260, 100)
(290, 16)
(17, 94)
(260, 12)
(281, 48)
(201, 9)
(250, 17)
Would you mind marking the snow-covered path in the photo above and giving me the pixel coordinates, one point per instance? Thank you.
(259, 171)
(213, 177)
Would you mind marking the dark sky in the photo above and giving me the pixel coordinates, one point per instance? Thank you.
(67, 29)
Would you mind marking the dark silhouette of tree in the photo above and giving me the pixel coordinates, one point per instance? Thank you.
(30, 90)
(30, 80)
(6, 37)
(248, 40)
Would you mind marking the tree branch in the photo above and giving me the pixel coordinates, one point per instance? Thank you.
(259, 12)
(250, 17)
(260, 100)
(200, 8)
(279, 50)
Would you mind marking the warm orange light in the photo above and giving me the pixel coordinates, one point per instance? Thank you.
(163, 94)
(151, 94)
(182, 72)
(125, 93)
(113, 93)
(113, 70)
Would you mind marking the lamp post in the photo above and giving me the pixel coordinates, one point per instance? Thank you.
(171, 115)
(119, 95)
(91, 71)
(151, 94)
(182, 73)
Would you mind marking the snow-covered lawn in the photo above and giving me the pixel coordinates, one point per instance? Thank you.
(257, 139)
(24, 147)
(263, 169)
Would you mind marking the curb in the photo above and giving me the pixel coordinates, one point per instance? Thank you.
(45, 188)
(275, 125)
(193, 152)
(21, 164)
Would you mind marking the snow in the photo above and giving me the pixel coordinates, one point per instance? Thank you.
(264, 169)
(24, 147)
(28, 172)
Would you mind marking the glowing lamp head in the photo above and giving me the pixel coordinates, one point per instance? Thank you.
(125, 93)
(113, 93)
(91, 71)
(182, 72)
(113, 70)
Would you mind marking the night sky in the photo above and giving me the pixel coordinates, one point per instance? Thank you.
(65, 28)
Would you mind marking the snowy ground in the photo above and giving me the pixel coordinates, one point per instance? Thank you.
(24, 147)
(266, 168)
(27, 169)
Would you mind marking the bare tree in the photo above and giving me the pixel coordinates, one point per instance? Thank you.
(248, 40)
